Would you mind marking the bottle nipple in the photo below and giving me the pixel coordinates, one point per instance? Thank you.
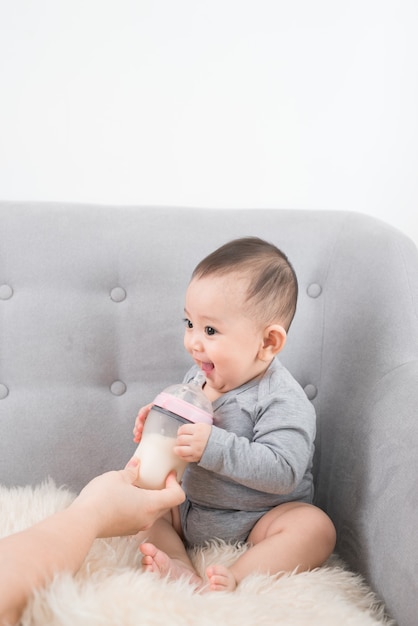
(199, 379)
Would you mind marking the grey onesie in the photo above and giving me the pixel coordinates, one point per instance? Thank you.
(259, 455)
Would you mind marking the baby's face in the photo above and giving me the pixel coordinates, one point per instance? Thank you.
(223, 341)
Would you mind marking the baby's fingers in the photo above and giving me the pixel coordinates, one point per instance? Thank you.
(138, 432)
(140, 421)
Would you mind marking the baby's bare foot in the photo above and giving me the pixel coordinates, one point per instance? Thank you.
(158, 562)
(220, 578)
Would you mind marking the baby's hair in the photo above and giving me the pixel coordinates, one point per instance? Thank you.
(273, 285)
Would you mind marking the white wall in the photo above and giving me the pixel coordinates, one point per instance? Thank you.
(255, 103)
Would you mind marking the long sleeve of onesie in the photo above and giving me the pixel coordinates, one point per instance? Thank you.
(262, 443)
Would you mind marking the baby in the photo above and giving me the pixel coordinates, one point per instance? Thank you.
(249, 477)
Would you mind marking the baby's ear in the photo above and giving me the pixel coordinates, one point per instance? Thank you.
(274, 340)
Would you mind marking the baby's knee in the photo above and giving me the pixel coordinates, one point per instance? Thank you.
(324, 530)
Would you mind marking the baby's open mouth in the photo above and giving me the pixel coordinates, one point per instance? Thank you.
(207, 367)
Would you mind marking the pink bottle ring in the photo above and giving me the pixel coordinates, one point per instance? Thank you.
(184, 409)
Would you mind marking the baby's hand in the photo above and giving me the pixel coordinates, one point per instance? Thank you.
(191, 441)
(140, 421)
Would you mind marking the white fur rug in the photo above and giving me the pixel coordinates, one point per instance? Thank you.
(111, 590)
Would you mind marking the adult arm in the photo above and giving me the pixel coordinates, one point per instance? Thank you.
(110, 505)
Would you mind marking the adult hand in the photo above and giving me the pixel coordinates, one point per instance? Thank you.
(120, 508)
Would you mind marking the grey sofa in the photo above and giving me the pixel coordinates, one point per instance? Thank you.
(91, 306)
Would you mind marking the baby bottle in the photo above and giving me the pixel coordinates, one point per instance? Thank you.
(176, 405)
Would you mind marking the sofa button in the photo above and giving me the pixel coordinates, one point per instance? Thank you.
(311, 391)
(314, 290)
(118, 388)
(4, 392)
(118, 294)
(6, 292)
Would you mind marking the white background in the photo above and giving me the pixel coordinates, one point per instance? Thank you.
(216, 103)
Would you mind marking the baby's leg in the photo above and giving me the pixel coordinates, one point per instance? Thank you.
(165, 554)
(291, 536)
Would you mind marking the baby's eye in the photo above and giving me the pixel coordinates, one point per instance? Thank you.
(187, 323)
(209, 330)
